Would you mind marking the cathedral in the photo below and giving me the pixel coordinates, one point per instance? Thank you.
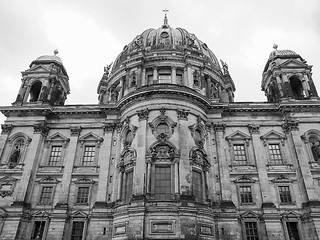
(166, 152)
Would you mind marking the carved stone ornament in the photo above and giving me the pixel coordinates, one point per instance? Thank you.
(48, 180)
(254, 128)
(290, 126)
(109, 127)
(6, 128)
(163, 152)
(7, 185)
(84, 180)
(143, 114)
(182, 114)
(41, 128)
(198, 157)
(127, 159)
(219, 127)
(75, 130)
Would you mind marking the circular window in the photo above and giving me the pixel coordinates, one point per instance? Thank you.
(164, 34)
(163, 128)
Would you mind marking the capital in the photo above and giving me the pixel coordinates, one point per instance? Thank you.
(6, 128)
(75, 130)
(41, 128)
(143, 114)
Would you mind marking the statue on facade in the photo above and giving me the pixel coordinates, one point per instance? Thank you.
(315, 148)
(225, 67)
(106, 70)
(14, 158)
(213, 90)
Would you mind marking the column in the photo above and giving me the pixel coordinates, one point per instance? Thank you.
(311, 87)
(6, 130)
(185, 77)
(138, 178)
(176, 176)
(104, 162)
(190, 76)
(208, 87)
(279, 85)
(223, 166)
(116, 174)
(174, 75)
(149, 176)
(139, 77)
(120, 182)
(287, 86)
(184, 166)
(143, 77)
(121, 88)
(155, 75)
(68, 166)
(25, 97)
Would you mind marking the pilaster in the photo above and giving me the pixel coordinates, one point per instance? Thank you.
(104, 162)
(68, 166)
(5, 133)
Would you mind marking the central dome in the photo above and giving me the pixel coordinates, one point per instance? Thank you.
(166, 58)
(166, 38)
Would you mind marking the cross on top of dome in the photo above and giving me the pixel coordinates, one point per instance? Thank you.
(165, 16)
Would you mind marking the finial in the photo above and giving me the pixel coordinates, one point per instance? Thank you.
(55, 51)
(165, 16)
(275, 46)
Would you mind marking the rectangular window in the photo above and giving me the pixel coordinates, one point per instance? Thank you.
(197, 185)
(77, 230)
(162, 187)
(240, 154)
(179, 79)
(245, 194)
(46, 195)
(251, 231)
(275, 153)
(38, 229)
(293, 231)
(88, 155)
(164, 78)
(284, 193)
(83, 195)
(55, 155)
(128, 186)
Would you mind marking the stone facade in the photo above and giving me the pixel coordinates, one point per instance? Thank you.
(166, 154)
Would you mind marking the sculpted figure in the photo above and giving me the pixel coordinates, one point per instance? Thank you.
(14, 158)
(316, 150)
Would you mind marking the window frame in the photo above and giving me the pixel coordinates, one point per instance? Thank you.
(84, 230)
(58, 163)
(257, 236)
(54, 140)
(237, 162)
(78, 195)
(242, 139)
(203, 193)
(245, 181)
(40, 201)
(271, 160)
(93, 158)
(89, 140)
(45, 229)
(153, 180)
(124, 197)
(240, 194)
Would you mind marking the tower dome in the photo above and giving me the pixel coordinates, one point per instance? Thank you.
(287, 76)
(164, 58)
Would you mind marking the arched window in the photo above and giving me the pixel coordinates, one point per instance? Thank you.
(35, 91)
(296, 87)
(200, 165)
(126, 169)
(162, 171)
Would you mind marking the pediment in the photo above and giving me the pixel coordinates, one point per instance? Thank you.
(79, 214)
(238, 135)
(48, 180)
(249, 214)
(90, 137)
(282, 179)
(293, 63)
(8, 179)
(244, 179)
(272, 135)
(38, 68)
(290, 214)
(40, 214)
(84, 180)
(57, 137)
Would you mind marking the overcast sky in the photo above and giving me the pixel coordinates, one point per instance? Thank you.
(90, 35)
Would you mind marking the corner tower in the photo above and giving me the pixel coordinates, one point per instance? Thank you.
(45, 82)
(287, 76)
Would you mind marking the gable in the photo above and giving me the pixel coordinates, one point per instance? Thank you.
(293, 63)
(249, 214)
(90, 137)
(38, 68)
(79, 214)
(57, 137)
(272, 135)
(238, 135)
